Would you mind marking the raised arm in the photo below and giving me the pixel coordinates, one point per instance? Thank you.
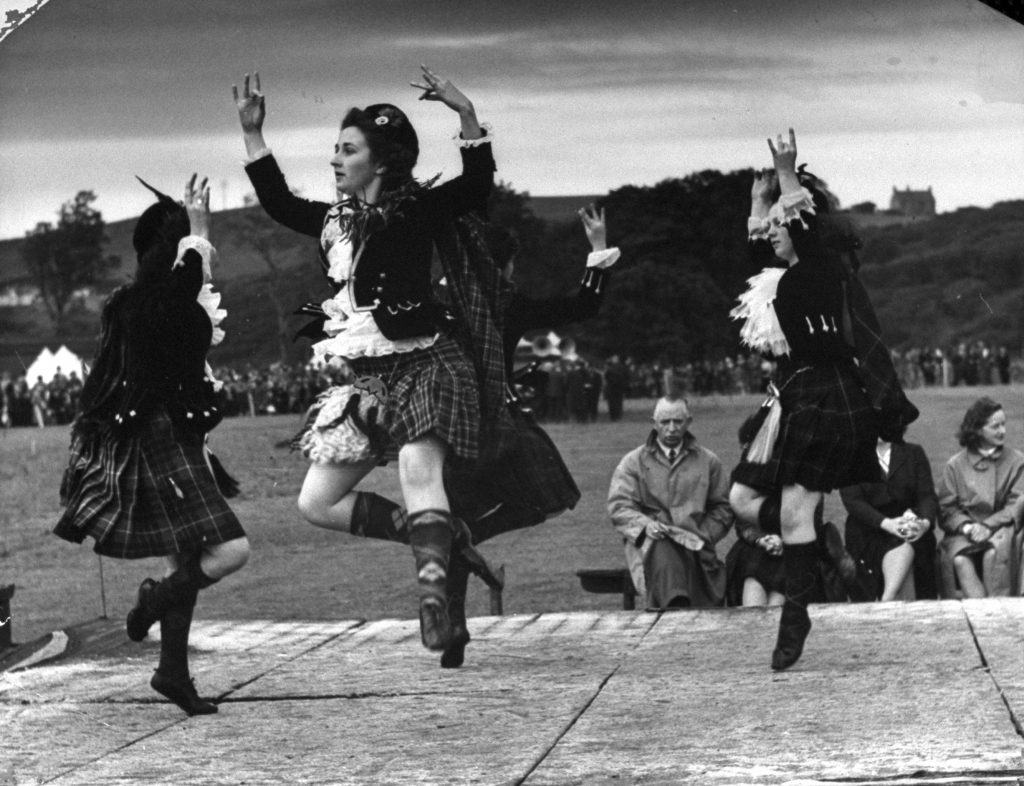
(529, 314)
(301, 215)
(761, 192)
(798, 210)
(469, 191)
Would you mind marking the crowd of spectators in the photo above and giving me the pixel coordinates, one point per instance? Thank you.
(556, 388)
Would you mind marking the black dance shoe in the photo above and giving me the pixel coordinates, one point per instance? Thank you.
(182, 691)
(793, 629)
(455, 654)
(141, 618)
(435, 627)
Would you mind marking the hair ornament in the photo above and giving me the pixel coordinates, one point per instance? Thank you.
(382, 120)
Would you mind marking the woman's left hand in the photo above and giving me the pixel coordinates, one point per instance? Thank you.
(784, 153)
(197, 206)
(978, 533)
(595, 227)
(438, 89)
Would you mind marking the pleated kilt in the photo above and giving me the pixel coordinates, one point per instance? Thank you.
(746, 561)
(147, 493)
(429, 391)
(827, 434)
(524, 473)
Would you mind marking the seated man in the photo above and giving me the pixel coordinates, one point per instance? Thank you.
(670, 500)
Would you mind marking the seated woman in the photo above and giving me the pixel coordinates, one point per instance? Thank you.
(890, 529)
(981, 495)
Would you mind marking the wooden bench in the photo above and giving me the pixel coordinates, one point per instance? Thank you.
(611, 581)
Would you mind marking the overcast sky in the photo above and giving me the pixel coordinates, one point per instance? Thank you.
(584, 96)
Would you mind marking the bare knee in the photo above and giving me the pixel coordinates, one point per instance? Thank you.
(225, 558)
(312, 508)
(797, 513)
(745, 502)
(420, 465)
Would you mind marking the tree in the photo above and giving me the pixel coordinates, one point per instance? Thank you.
(67, 258)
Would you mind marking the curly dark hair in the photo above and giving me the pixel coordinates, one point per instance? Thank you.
(977, 415)
(392, 140)
(156, 235)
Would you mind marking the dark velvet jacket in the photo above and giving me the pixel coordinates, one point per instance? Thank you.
(392, 273)
(152, 352)
(823, 291)
(524, 313)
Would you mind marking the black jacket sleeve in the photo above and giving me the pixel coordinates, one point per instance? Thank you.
(301, 215)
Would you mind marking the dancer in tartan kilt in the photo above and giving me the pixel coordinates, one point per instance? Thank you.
(818, 430)
(420, 393)
(140, 480)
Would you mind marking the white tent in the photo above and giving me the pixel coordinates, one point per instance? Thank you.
(47, 364)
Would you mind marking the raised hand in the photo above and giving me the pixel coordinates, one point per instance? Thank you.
(437, 89)
(251, 104)
(197, 206)
(595, 227)
(763, 188)
(784, 153)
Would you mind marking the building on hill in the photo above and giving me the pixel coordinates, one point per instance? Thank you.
(913, 204)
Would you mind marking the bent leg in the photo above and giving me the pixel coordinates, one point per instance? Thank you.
(753, 593)
(431, 531)
(800, 554)
(967, 575)
(896, 565)
(326, 499)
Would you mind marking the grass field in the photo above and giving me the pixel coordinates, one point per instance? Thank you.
(299, 571)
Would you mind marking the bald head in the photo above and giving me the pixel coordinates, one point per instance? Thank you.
(671, 420)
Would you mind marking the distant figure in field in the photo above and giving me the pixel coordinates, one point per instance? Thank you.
(890, 530)
(981, 501)
(616, 385)
(669, 498)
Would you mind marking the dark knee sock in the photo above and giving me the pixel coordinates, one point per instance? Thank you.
(174, 630)
(180, 588)
(377, 517)
(430, 534)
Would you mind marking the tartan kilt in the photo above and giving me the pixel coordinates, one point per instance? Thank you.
(827, 435)
(429, 391)
(747, 561)
(147, 493)
(526, 475)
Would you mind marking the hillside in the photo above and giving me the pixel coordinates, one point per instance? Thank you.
(957, 277)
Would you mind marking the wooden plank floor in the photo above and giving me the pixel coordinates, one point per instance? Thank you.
(929, 692)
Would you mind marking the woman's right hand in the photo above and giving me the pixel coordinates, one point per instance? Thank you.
(771, 543)
(595, 227)
(765, 183)
(251, 105)
(977, 532)
(197, 206)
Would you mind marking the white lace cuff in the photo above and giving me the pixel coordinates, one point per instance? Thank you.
(205, 250)
(261, 153)
(603, 259)
(795, 203)
(210, 302)
(486, 139)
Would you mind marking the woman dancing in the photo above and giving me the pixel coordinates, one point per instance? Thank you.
(418, 390)
(139, 480)
(820, 429)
